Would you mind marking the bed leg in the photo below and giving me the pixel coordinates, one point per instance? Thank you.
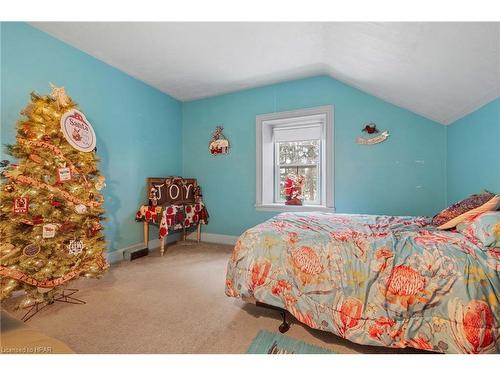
(285, 326)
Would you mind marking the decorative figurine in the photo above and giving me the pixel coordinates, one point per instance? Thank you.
(293, 190)
(219, 144)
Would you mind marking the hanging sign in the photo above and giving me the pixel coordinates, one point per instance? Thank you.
(78, 131)
(49, 231)
(374, 140)
(63, 174)
(21, 205)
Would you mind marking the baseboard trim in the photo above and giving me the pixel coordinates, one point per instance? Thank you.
(117, 255)
(214, 238)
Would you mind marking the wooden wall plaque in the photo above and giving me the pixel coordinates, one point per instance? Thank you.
(173, 190)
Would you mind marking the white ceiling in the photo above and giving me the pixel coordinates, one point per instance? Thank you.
(439, 70)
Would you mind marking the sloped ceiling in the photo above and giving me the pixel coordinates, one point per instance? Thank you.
(439, 70)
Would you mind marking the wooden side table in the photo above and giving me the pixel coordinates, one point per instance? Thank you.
(162, 239)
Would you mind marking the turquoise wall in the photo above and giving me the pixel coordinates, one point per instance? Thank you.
(405, 175)
(473, 156)
(142, 132)
(138, 128)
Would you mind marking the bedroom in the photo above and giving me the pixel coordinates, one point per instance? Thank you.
(201, 187)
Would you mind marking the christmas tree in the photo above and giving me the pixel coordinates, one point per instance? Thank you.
(50, 205)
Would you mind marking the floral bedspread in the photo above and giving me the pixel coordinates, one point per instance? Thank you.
(375, 280)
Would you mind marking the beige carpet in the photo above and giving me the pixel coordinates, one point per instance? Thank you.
(170, 304)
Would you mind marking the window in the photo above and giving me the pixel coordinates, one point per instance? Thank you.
(298, 142)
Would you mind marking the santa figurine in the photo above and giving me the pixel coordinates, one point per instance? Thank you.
(153, 196)
(292, 189)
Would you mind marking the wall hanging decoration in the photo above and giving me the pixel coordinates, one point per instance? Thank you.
(219, 144)
(371, 128)
(292, 189)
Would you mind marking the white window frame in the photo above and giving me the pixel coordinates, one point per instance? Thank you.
(265, 157)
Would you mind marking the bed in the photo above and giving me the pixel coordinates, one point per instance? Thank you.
(374, 280)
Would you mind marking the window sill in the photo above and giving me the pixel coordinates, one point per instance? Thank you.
(284, 208)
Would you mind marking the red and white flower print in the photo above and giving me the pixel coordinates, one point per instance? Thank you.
(472, 326)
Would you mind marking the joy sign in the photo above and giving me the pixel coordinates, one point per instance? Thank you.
(171, 190)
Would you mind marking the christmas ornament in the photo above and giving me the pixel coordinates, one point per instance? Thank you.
(37, 220)
(59, 96)
(67, 227)
(219, 144)
(55, 203)
(93, 230)
(100, 183)
(75, 247)
(37, 159)
(49, 231)
(78, 131)
(63, 174)
(21, 205)
(31, 250)
(80, 209)
(371, 128)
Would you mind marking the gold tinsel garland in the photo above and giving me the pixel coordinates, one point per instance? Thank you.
(75, 271)
(42, 185)
(56, 150)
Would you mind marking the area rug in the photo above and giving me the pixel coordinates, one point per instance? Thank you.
(275, 343)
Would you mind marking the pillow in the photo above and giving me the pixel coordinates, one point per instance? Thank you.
(484, 228)
(469, 207)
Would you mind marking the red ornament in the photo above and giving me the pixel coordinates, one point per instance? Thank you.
(37, 219)
(370, 128)
(92, 231)
(55, 203)
(67, 227)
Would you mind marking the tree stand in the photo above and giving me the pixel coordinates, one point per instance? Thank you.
(64, 296)
(285, 326)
